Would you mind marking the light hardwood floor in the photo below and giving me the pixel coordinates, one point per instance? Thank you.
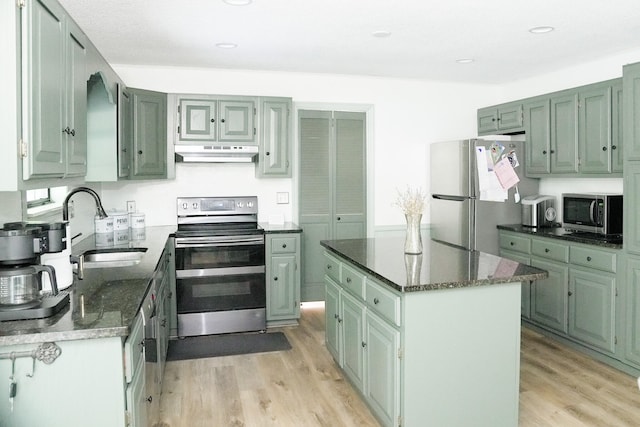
(303, 387)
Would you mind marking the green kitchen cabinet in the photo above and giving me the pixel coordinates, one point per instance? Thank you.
(333, 329)
(564, 132)
(518, 248)
(595, 129)
(617, 130)
(211, 118)
(537, 124)
(54, 81)
(275, 145)
(500, 119)
(632, 311)
(592, 307)
(283, 277)
(352, 316)
(631, 206)
(631, 110)
(135, 391)
(149, 156)
(549, 297)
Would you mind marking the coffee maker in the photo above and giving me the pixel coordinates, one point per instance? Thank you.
(21, 274)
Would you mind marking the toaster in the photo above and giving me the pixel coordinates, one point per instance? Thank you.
(539, 211)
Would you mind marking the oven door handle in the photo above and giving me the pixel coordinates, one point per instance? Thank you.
(223, 271)
(202, 242)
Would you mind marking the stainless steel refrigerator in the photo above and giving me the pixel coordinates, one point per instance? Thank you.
(458, 215)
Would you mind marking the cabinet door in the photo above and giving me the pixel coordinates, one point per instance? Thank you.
(382, 375)
(617, 147)
(631, 110)
(592, 308)
(595, 130)
(332, 319)
(549, 297)
(44, 82)
(538, 128)
(353, 344)
(137, 399)
(564, 133)
(525, 300)
(274, 152)
(631, 204)
(510, 117)
(197, 120)
(632, 311)
(350, 171)
(125, 131)
(282, 299)
(149, 134)
(487, 120)
(76, 147)
(237, 121)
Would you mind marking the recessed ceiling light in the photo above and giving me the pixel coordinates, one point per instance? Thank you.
(541, 30)
(464, 60)
(238, 2)
(226, 45)
(381, 33)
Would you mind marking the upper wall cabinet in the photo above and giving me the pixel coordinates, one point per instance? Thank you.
(274, 144)
(500, 119)
(575, 132)
(149, 127)
(205, 119)
(54, 82)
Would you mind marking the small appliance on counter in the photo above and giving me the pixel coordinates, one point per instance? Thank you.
(539, 211)
(22, 276)
(598, 213)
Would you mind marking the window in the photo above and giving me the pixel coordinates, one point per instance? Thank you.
(38, 197)
(44, 201)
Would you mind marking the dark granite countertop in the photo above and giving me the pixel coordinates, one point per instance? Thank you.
(287, 227)
(613, 242)
(440, 266)
(102, 305)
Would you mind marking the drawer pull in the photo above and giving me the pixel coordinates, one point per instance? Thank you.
(335, 316)
(376, 300)
(546, 250)
(348, 279)
(588, 258)
(284, 245)
(570, 293)
(512, 243)
(364, 344)
(328, 266)
(275, 278)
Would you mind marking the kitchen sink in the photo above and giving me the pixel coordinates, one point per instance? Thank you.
(112, 257)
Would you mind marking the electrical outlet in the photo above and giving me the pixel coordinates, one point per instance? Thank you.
(131, 206)
(282, 198)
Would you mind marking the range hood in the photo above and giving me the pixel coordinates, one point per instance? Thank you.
(215, 153)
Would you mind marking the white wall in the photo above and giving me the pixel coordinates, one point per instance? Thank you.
(408, 114)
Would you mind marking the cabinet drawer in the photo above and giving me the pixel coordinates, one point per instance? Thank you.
(332, 267)
(550, 250)
(383, 302)
(353, 280)
(593, 258)
(280, 245)
(133, 349)
(515, 243)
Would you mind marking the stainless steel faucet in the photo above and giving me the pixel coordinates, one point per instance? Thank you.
(65, 205)
(79, 260)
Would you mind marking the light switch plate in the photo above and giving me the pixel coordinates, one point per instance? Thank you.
(282, 198)
(131, 206)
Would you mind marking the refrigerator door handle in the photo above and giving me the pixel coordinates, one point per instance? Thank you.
(451, 198)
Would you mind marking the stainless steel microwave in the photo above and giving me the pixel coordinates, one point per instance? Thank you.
(591, 212)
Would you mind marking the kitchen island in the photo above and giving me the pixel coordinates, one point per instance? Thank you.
(92, 379)
(429, 339)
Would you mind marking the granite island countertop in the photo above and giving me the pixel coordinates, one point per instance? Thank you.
(440, 266)
(613, 242)
(103, 304)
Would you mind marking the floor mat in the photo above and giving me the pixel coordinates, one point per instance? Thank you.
(226, 345)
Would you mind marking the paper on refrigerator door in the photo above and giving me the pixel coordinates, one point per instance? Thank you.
(488, 184)
(505, 173)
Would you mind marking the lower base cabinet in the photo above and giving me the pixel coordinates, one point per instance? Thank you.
(549, 297)
(408, 353)
(632, 312)
(283, 278)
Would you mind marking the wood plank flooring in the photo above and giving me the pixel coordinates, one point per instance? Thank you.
(302, 387)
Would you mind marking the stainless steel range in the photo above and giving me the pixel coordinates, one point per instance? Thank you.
(220, 266)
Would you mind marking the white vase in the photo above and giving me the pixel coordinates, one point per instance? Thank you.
(413, 241)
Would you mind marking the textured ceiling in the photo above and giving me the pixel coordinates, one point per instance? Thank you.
(335, 36)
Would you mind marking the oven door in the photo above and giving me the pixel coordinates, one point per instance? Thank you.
(204, 256)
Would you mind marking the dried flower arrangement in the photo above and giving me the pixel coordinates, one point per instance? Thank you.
(411, 201)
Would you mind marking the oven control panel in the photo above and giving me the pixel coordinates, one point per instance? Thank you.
(190, 206)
